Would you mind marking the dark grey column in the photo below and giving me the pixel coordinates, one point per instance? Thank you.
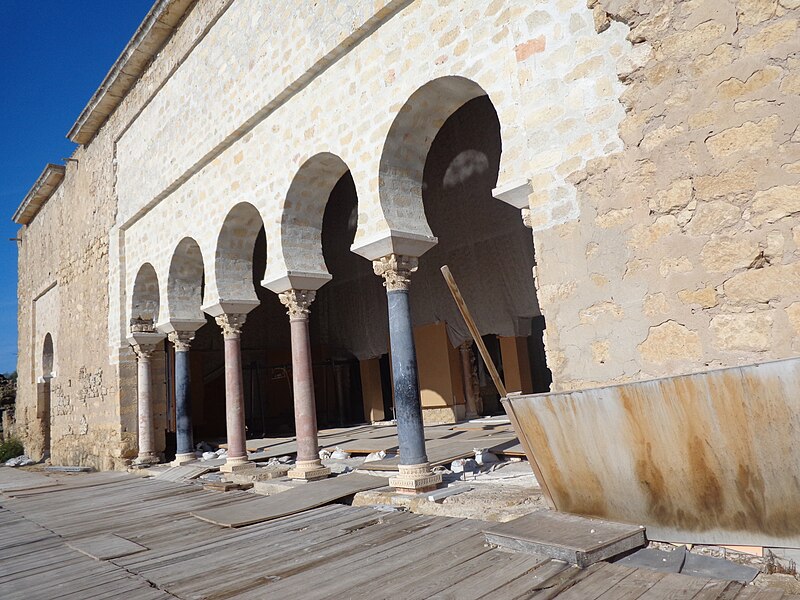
(415, 474)
(408, 410)
(183, 401)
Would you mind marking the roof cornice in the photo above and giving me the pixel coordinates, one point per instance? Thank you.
(156, 28)
(39, 194)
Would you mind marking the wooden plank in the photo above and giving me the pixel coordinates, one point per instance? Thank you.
(572, 538)
(439, 454)
(472, 588)
(719, 590)
(633, 586)
(105, 546)
(598, 583)
(301, 498)
(13, 479)
(675, 587)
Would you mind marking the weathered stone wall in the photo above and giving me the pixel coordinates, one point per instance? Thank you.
(659, 174)
(686, 252)
(74, 244)
(63, 270)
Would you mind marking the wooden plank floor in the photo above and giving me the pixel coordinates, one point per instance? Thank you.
(333, 551)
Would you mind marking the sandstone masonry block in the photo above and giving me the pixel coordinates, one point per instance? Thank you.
(742, 331)
(671, 341)
(764, 285)
(752, 136)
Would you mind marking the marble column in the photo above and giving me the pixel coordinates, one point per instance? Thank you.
(231, 324)
(468, 378)
(415, 473)
(147, 449)
(181, 341)
(308, 466)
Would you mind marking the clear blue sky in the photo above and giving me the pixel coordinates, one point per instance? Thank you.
(54, 55)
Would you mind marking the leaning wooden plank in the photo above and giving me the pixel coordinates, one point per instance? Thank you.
(301, 498)
(105, 546)
(577, 540)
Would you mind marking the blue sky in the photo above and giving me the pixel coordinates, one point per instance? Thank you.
(55, 54)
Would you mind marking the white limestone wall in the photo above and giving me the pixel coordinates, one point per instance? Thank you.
(181, 166)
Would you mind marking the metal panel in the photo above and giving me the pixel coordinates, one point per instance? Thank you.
(705, 458)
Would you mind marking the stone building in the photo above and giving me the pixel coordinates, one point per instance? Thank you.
(616, 188)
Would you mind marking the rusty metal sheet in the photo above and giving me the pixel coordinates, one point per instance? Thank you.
(708, 458)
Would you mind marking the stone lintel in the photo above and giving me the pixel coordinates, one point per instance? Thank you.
(295, 280)
(515, 193)
(142, 338)
(391, 242)
(180, 325)
(230, 307)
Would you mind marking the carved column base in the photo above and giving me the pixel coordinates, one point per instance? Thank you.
(415, 479)
(147, 458)
(183, 459)
(308, 470)
(234, 465)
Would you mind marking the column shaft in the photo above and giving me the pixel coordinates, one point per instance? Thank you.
(183, 402)
(147, 451)
(305, 408)
(408, 410)
(234, 400)
(308, 466)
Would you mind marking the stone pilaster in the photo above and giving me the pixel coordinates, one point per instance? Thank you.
(308, 466)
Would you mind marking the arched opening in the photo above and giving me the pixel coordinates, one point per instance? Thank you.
(233, 260)
(145, 311)
(444, 153)
(145, 300)
(239, 264)
(186, 283)
(43, 408)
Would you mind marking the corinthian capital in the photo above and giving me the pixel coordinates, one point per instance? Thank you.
(181, 340)
(298, 302)
(231, 323)
(396, 270)
(143, 351)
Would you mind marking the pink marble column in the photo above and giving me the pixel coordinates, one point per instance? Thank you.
(308, 466)
(231, 325)
(147, 450)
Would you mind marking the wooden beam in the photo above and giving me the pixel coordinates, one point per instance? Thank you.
(473, 329)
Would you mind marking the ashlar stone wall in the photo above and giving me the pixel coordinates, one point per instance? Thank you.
(686, 251)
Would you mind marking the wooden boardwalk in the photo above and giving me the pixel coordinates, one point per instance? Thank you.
(333, 551)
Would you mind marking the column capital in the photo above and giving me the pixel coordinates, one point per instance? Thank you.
(143, 351)
(298, 302)
(231, 324)
(527, 219)
(182, 340)
(396, 270)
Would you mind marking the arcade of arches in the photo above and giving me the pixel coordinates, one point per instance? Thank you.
(345, 323)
